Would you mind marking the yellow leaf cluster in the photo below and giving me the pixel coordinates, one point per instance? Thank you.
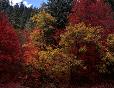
(110, 39)
(55, 61)
(110, 42)
(43, 19)
(83, 49)
(79, 33)
(107, 55)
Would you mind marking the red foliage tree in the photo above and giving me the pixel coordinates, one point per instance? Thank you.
(94, 12)
(9, 49)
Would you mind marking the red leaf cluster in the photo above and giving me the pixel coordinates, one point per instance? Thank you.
(94, 12)
(9, 46)
(9, 42)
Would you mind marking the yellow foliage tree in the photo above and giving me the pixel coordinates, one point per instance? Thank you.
(80, 49)
(80, 35)
(43, 19)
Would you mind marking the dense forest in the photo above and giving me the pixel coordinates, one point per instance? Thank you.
(62, 44)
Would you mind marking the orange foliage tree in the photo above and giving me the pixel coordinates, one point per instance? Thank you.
(94, 13)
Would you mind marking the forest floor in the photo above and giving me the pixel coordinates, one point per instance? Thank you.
(103, 84)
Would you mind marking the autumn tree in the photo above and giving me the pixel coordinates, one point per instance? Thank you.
(10, 55)
(94, 12)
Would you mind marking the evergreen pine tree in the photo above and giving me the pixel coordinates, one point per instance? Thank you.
(4, 4)
(20, 15)
(111, 2)
(60, 10)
